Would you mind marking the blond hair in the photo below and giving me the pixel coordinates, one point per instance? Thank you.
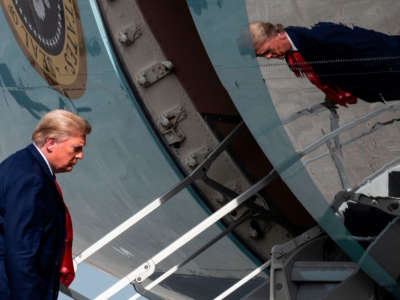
(59, 124)
(263, 31)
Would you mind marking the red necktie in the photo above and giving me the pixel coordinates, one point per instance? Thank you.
(300, 68)
(67, 267)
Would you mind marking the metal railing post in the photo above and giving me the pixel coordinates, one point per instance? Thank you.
(175, 268)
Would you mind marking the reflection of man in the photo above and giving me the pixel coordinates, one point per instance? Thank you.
(345, 63)
(35, 226)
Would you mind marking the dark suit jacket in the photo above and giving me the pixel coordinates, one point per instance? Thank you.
(363, 62)
(32, 228)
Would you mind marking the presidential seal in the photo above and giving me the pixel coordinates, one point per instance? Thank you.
(50, 35)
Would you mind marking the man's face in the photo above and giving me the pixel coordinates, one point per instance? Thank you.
(63, 155)
(275, 47)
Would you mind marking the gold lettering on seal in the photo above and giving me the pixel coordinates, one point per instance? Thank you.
(65, 70)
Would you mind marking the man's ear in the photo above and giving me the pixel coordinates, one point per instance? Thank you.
(50, 144)
(282, 36)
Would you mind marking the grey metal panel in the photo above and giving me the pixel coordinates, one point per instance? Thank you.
(358, 286)
(322, 271)
(259, 293)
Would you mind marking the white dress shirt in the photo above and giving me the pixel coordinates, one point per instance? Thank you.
(44, 157)
(291, 43)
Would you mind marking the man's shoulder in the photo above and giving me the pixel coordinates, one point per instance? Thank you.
(20, 156)
(320, 40)
(318, 28)
(20, 163)
(330, 30)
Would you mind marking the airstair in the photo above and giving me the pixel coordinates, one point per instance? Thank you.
(309, 266)
(145, 270)
(302, 268)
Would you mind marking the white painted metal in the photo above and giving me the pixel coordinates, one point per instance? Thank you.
(193, 256)
(157, 281)
(377, 184)
(188, 236)
(243, 280)
(118, 230)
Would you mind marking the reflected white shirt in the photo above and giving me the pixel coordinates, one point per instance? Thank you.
(291, 43)
(44, 157)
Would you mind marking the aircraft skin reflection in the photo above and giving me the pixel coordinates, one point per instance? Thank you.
(123, 139)
(345, 63)
(36, 109)
(296, 104)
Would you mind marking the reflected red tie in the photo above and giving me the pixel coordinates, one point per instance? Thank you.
(300, 68)
(67, 267)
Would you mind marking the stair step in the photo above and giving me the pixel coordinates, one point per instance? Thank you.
(321, 271)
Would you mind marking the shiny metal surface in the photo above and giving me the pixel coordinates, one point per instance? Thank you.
(125, 167)
(317, 152)
(177, 98)
(282, 111)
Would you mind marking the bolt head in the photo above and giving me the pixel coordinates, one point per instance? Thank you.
(164, 122)
(122, 37)
(393, 206)
(168, 65)
(253, 233)
(142, 80)
(191, 162)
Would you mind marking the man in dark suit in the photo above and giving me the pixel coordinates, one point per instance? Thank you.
(345, 63)
(35, 226)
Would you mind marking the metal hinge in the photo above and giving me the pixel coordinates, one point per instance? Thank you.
(154, 73)
(128, 35)
(168, 124)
